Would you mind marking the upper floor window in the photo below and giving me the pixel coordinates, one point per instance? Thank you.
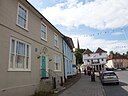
(88, 54)
(43, 31)
(19, 59)
(88, 61)
(22, 16)
(56, 40)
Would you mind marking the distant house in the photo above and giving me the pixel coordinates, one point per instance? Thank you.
(96, 60)
(117, 61)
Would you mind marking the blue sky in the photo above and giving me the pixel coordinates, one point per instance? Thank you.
(95, 23)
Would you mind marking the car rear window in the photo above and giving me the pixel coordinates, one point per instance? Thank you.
(109, 74)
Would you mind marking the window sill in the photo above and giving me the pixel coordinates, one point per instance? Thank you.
(57, 70)
(44, 39)
(56, 46)
(20, 70)
(26, 29)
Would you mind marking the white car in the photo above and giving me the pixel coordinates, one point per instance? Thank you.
(109, 77)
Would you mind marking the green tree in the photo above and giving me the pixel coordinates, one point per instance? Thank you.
(79, 56)
(127, 53)
(118, 53)
(111, 52)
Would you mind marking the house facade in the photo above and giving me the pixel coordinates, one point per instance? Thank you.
(69, 57)
(96, 60)
(117, 61)
(31, 49)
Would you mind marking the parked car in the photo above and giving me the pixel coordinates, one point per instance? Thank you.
(109, 77)
(123, 68)
(110, 69)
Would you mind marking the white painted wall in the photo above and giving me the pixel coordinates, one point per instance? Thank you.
(95, 56)
(109, 64)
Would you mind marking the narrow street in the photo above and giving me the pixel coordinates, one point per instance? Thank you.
(118, 90)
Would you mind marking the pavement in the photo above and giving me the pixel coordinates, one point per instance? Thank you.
(84, 87)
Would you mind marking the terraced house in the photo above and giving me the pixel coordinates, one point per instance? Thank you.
(69, 57)
(30, 48)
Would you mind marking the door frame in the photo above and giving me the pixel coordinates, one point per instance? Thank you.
(46, 62)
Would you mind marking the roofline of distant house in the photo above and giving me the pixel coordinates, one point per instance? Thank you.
(85, 52)
(117, 58)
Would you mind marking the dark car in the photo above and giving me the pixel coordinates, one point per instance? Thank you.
(109, 77)
(123, 68)
(110, 69)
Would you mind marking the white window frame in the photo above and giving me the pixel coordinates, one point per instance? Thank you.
(45, 32)
(26, 26)
(29, 61)
(57, 61)
(56, 44)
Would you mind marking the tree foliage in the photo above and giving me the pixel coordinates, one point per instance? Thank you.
(79, 56)
(111, 52)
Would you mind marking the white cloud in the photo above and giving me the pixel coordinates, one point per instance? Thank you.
(108, 45)
(99, 14)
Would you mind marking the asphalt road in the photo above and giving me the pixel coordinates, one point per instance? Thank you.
(118, 90)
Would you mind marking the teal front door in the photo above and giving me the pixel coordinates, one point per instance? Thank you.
(43, 67)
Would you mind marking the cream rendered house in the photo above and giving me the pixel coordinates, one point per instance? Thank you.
(30, 48)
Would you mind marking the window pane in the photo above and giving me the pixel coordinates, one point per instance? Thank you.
(20, 57)
(22, 22)
(19, 61)
(12, 46)
(20, 48)
(11, 60)
(55, 40)
(42, 34)
(17, 47)
(43, 31)
(27, 61)
(57, 62)
(55, 43)
(57, 66)
(43, 28)
(22, 17)
(27, 50)
(22, 12)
